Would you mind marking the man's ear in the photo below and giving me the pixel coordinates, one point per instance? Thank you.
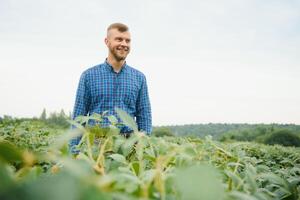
(106, 41)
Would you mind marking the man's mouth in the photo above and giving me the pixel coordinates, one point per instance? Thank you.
(122, 48)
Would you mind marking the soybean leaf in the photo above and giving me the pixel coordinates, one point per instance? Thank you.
(127, 119)
(119, 158)
(9, 153)
(196, 183)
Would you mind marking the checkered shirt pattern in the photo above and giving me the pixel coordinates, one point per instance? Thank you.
(102, 89)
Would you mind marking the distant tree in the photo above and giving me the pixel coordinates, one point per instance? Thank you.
(62, 113)
(58, 119)
(43, 115)
(162, 131)
(261, 130)
(283, 137)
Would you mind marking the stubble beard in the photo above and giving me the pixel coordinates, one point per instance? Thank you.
(114, 52)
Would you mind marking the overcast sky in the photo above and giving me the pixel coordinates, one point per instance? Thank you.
(233, 61)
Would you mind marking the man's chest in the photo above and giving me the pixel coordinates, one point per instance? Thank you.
(114, 87)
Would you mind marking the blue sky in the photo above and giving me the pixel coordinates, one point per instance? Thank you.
(205, 61)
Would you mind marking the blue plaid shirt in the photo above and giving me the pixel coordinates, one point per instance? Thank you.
(102, 89)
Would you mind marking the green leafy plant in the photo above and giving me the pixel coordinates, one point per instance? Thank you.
(110, 166)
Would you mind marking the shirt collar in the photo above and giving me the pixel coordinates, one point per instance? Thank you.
(108, 66)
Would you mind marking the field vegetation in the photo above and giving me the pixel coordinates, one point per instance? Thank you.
(35, 163)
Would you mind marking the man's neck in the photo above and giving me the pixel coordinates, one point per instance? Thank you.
(117, 65)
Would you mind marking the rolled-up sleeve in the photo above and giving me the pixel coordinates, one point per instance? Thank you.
(143, 109)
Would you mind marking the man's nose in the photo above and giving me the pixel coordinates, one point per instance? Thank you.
(124, 43)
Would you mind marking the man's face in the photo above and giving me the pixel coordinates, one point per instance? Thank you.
(118, 44)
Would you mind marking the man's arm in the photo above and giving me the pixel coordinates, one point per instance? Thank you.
(143, 109)
(81, 106)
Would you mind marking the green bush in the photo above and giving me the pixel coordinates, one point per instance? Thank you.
(162, 131)
(283, 137)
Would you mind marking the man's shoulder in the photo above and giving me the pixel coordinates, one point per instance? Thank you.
(94, 69)
(92, 72)
(135, 72)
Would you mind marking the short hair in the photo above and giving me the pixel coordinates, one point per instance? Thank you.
(121, 27)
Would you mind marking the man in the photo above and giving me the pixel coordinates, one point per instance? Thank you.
(114, 84)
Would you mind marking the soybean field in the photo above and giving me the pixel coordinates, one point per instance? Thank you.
(35, 163)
